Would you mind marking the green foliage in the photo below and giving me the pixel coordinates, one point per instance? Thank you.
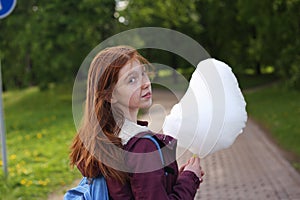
(294, 80)
(40, 129)
(181, 16)
(44, 42)
(176, 15)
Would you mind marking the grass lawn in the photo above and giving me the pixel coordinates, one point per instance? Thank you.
(39, 131)
(278, 110)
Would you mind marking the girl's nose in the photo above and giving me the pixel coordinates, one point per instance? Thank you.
(146, 82)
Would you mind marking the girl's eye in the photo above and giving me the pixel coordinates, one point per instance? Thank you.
(132, 80)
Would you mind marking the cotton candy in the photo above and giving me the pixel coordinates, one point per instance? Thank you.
(212, 112)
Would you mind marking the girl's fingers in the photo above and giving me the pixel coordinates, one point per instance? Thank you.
(182, 167)
(202, 173)
(197, 160)
(201, 180)
(188, 162)
(192, 160)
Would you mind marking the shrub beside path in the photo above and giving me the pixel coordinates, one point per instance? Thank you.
(252, 168)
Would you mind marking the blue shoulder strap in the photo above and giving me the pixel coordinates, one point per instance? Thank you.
(159, 150)
(80, 192)
(99, 189)
(89, 190)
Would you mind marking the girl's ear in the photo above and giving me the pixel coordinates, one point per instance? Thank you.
(113, 100)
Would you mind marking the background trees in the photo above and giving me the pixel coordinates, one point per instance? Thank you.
(43, 42)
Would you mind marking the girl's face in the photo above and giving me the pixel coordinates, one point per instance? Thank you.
(133, 89)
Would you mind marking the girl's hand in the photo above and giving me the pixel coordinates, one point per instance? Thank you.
(193, 165)
(183, 166)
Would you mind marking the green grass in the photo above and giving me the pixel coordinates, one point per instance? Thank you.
(39, 131)
(278, 109)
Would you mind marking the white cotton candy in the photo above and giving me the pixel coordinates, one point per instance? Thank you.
(211, 114)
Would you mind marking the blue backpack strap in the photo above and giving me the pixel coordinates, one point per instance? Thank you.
(80, 192)
(159, 151)
(99, 189)
(89, 189)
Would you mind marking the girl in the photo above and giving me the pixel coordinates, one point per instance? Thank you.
(110, 141)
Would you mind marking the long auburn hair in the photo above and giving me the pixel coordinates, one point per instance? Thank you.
(97, 147)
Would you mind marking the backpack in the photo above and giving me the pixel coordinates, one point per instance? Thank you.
(89, 189)
(96, 188)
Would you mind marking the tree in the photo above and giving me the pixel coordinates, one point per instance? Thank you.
(287, 30)
(43, 42)
(176, 15)
(225, 36)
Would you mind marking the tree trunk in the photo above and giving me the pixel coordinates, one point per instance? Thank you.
(258, 68)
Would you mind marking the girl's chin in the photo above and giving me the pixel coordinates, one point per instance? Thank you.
(146, 105)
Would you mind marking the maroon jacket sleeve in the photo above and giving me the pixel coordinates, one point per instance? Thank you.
(118, 190)
(154, 184)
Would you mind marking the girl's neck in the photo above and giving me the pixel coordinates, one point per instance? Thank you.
(128, 113)
(131, 116)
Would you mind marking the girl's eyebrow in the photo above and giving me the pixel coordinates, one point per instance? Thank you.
(130, 74)
(132, 71)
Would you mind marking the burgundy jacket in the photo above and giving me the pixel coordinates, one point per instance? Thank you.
(148, 179)
(154, 184)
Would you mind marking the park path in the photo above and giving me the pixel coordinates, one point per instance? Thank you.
(252, 168)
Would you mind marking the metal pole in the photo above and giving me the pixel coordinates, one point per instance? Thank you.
(2, 129)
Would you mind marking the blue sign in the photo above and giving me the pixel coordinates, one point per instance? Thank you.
(6, 7)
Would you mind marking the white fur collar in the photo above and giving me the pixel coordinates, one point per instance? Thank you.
(129, 130)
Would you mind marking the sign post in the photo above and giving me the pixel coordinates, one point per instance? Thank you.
(2, 129)
(6, 7)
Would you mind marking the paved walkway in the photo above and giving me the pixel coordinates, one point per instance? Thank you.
(252, 168)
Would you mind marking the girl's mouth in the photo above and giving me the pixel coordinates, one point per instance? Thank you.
(147, 95)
